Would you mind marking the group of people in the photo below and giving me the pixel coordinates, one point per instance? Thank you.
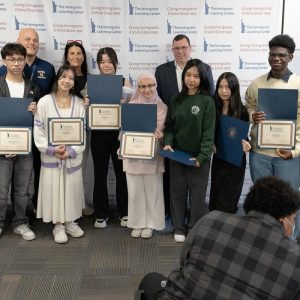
(189, 107)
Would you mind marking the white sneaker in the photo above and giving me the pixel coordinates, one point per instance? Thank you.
(59, 234)
(179, 238)
(136, 232)
(100, 223)
(123, 221)
(73, 229)
(147, 233)
(26, 233)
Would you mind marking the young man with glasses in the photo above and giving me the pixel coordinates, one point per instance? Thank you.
(275, 162)
(169, 83)
(16, 170)
(42, 73)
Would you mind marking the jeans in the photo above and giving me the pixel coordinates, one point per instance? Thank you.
(288, 170)
(16, 170)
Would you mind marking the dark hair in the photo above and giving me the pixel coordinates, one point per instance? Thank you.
(204, 83)
(59, 73)
(235, 102)
(272, 196)
(13, 48)
(180, 37)
(111, 53)
(84, 68)
(284, 41)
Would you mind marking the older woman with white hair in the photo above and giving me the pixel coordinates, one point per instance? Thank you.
(145, 177)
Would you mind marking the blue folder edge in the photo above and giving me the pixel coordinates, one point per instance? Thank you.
(138, 117)
(14, 112)
(104, 89)
(229, 139)
(179, 156)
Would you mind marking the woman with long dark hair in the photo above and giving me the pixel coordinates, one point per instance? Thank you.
(61, 185)
(227, 179)
(190, 127)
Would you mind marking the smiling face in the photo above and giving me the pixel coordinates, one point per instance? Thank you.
(192, 80)
(279, 59)
(75, 57)
(147, 87)
(106, 66)
(224, 90)
(30, 40)
(181, 51)
(66, 81)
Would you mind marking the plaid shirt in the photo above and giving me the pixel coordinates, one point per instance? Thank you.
(226, 256)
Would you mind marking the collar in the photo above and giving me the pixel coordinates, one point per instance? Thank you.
(285, 77)
(266, 217)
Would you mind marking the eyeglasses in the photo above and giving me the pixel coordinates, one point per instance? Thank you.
(177, 49)
(19, 60)
(279, 55)
(74, 41)
(149, 86)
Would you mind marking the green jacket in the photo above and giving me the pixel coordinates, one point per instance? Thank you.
(190, 125)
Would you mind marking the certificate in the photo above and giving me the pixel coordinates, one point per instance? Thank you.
(104, 116)
(138, 145)
(14, 140)
(276, 134)
(66, 131)
(180, 156)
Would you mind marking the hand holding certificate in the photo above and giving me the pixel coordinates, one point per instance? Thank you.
(138, 127)
(277, 130)
(66, 131)
(105, 93)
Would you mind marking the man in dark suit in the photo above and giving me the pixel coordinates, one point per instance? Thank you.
(168, 76)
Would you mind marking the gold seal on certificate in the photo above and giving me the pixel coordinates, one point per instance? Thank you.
(138, 145)
(104, 116)
(66, 131)
(15, 140)
(276, 134)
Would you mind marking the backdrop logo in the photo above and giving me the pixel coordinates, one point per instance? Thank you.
(182, 11)
(2, 7)
(256, 10)
(142, 10)
(172, 29)
(256, 29)
(252, 65)
(57, 45)
(218, 29)
(218, 10)
(69, 28)
(105, 10)
(21, 24)
(144, 48)
(216, 47)
(108, 29)
(27, 7)
(220, 66)
(94, 62)
(143, 29)
(131, 80)
(66, 9)
(255, 47)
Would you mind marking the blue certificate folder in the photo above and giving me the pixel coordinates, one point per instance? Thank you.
(104, 89)
(278, 104)
(14, 112)
(178, 155)
(229, 139)
(139, 117)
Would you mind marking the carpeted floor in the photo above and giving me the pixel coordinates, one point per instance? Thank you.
(105, 264)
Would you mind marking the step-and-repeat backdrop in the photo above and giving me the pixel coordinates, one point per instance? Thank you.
(229, 35)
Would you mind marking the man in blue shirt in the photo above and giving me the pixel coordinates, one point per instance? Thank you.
(42, 73)
(39, 71)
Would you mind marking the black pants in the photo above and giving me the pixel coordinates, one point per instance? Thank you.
(166, 178)
(187, 180)
(226, 185)
(104, 144)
